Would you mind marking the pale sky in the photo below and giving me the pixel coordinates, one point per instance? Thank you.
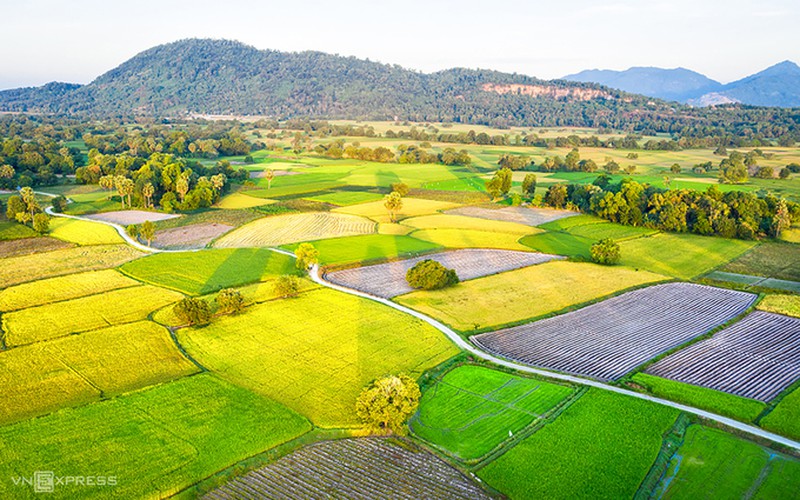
(76, 41)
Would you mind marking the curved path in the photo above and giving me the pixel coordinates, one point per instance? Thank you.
(466, 346)
(463, 344)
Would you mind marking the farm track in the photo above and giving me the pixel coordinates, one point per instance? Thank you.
(468, 347)
(363, 468)
(608, 339)
(389, 280)
(755, 358)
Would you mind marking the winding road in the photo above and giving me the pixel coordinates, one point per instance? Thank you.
(466, 346)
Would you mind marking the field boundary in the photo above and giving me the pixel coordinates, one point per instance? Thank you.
(672, 442)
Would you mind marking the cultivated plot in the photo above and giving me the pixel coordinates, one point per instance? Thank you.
(389, 280)
(125, 217)
(190, 237)
(364, 468)
(83, 232)
(472, 409)
(273, 231)
(521, 215)
(412, 207)
(608, 339)
(756, 358)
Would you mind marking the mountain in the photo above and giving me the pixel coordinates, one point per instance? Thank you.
(778, 85)
(677, 84)
(225, 77)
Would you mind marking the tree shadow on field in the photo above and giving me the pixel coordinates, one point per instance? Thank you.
(386, 178)
(243, 265)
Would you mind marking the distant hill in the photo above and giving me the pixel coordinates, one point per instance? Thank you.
(778, 85)
(670, 84)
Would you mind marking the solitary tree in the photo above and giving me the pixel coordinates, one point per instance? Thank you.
(306, 255)
(287, 286)
(529, 185)
(41, 223)
(385, 405)
(230, 301)
(269, 175)
(147, 231)
(193, 311)
(393, 203)
(675, 168)
(606, 252)
(430, 275)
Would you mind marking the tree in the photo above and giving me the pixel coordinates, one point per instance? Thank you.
(230, 301)
(784, 173)
(193, 311)
(182, 187)
(431, 275)
(14, 207)
(147, 231)
(765, 172)
(132, 230)
(41, 223)
(287, 285)
(306, 255)
(393, 203)
(148, 190)
(675, 168)
(572, 159)
(529, 185)
(386, 404)
(400, 188)
(31, 205)
(107, 182)
(606, 252)
(59, 204)
(556, 196)
(611, 167)
(118, 182)
(269, 175)
(781, 220)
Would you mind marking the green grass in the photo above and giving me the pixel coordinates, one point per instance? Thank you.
(559, 244)
(14, 231)
(198, 273)
(352, 249)
(714, 464)
(683, 256)
(785, 418)
(315, 353)
(116, 307)
(718, 402)
(78, 369)
(154, 442)
(344, 198)
(566, 223)
(771, 259)
(597, 232)
(472, 409)
(600, 447)
(522, 294)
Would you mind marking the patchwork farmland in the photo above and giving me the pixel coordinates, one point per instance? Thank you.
(353, 468)
(273, 231)
(389, 280)
(528, 216)
(608, 339)
(756, 358)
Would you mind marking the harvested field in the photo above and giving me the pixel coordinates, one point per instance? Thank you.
(755, 358)
(241, 200)
(19, 269)
(25, 246)
(446, 221)
(367, 247)
(389, 280)
(346, 198)
(363, 468)
(608, 339)
(412, 207)
(470, 238)
(272, 231)
(189, 237)
(521, 215)
(125, 217)
(61, 288)
(261, 174)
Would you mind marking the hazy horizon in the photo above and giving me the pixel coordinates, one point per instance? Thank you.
(79, 41)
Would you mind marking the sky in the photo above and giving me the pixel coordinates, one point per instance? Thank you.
(76, 41)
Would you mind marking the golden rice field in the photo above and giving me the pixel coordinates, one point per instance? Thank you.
(447, 221)
(83, 232)
(241, 200)
(315, 353)
(67, 287)
(781, 304)
(280, 230)
(393, 229)
(470, 238)
(59, 319)
(41, 378)
(14, 270)
(412, 207)
(524, 293)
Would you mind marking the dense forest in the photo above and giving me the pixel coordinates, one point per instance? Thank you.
(225, 77)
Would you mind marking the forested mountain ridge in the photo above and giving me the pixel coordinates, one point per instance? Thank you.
(226, 77)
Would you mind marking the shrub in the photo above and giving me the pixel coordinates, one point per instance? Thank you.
(306, 255)
(132, 230)
(431, 275)
(230, 301)
(386, 403)
(59, 204)
(193, 311)
(606, 252)
(41, 223)
(287, 286)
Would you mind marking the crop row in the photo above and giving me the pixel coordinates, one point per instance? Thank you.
(356, 469)
(756, 358)
(389, 280)
(608, 339)
(272, 231)
(528, 216)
